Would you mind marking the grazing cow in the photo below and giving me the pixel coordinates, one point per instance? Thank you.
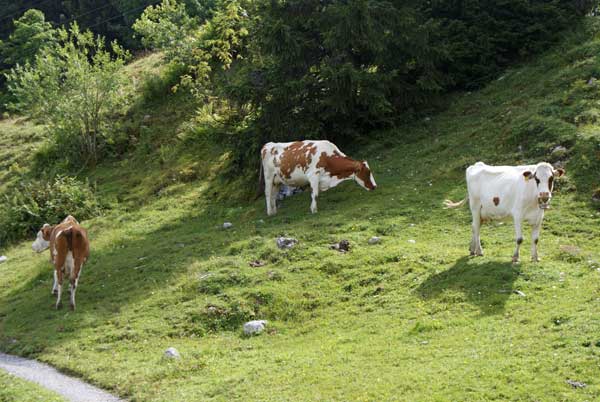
(319, 164)
(520, 192)
(69, 250)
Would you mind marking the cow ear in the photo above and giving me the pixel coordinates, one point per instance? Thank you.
(559, 172)
(46, 231)
(527, 175)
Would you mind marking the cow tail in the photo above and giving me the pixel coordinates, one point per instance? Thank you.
(448, 204)
(261, 181)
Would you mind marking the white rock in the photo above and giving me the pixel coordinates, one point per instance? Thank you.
(3, 259)
(286, 242)
(374, 240)
(412, 241)
(172, 353)
(254, 327)
(227, 225)
(520, 293)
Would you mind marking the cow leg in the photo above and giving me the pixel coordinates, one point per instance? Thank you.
(475, 248)
(519, 237)
(75, 272)
(55, 284)
(59, 266)
(268, 191)
(273, 199)
(314, 186)
(535, 235)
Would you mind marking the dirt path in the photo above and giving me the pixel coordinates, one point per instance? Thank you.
(69, 388)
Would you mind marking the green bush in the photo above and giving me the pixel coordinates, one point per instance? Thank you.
(31, 204)
(77, 89)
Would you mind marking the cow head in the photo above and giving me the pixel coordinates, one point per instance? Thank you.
(543, 177)
(42, 241)
(364, 177)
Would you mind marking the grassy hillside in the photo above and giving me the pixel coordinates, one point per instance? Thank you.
(412, 318)
(13, 389)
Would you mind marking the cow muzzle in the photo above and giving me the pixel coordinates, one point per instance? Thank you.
(544, 200)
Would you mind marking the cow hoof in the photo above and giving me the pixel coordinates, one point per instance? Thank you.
(59, 306)
(54, 292)
(535, 259)
(515, 260)
(72, 307)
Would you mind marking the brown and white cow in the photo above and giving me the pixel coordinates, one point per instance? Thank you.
(520, 192)
(69, 250)
(319, 164)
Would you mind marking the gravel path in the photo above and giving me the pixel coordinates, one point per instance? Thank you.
(69, 388)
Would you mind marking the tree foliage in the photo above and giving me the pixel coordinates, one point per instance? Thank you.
(75, 88)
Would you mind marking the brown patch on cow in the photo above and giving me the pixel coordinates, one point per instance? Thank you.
(274, 151)
(496, 201)
(299, 154)
(47, 232)
(337, 165)
(263, 152)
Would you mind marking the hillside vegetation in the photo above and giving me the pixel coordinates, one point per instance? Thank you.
(412, 318)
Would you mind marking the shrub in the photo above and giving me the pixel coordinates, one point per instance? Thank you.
(75, 88)
(33, 203)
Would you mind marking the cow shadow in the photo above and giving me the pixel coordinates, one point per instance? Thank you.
(485, 284)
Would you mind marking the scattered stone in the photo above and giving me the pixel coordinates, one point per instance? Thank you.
(181, 245)
(412, 225)
(172, 353)
(412, 241)
(257, 264)
(254, 327)
(576, 384)
(520, 293)
(227, 225)
(343, 246)
(286, 242)
(146, 117)
(374, 240)
(592, 81)
(424, 342)
(3, 259)
(427, 119)
(559, 151)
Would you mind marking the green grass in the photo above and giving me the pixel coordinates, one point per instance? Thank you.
(13, 389)
(19, 139)
(395, 321)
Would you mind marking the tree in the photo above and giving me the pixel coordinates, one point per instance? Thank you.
(32, 33)
(75, 88)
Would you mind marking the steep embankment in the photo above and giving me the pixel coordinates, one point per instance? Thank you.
(411, 318)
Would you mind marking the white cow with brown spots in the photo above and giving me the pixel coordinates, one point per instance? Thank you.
(520, 192)
(319, 164)
(69, 250)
